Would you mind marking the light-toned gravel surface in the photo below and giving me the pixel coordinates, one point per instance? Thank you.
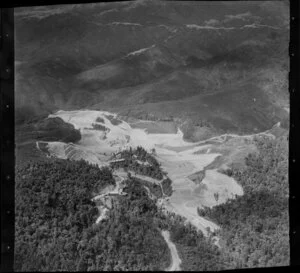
(175, 259)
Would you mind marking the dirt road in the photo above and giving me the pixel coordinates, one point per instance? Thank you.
(175, 260)
(123, 174)
(116, 190)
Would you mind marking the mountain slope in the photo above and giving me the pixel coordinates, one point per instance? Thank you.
(154, 56)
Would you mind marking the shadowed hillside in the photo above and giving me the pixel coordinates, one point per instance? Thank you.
(225, 62)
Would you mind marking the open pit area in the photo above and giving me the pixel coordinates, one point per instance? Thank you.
(181, 160)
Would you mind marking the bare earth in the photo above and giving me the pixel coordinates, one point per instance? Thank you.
(177, 157)
(175, 259)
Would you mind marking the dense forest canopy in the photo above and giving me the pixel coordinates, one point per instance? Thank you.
(139, 161)
(56, 229)
(255, 227)
(55, 222)
(53, 212)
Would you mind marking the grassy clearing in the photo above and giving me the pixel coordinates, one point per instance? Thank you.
(156, 127)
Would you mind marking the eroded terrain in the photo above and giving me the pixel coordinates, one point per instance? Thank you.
(180, 160)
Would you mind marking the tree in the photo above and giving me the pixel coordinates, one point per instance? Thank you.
(216, 196)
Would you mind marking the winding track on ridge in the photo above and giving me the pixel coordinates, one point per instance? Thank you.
(175, 259)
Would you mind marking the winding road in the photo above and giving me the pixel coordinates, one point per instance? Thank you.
(124, 175)
(175, 259)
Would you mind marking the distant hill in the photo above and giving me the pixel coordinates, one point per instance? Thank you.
(225, 64)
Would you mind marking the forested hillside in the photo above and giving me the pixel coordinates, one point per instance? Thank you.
(198, 253)
(55, 219)
(255, 227)
(56, 230)
(139, 161)
(54, 212)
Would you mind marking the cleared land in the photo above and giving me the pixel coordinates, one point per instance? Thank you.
(180, 159)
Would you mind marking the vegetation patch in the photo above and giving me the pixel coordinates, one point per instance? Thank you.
(28, 152)
(130, 162)
(43, 147)
(199, 176)
(155, 189)
(54, 213)
(197, 252)
(256, 226)
(156, 127)
(167, 186)
(99, 127)
(55, 129)
(99, 119)
(55, 222)
(113, 120)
